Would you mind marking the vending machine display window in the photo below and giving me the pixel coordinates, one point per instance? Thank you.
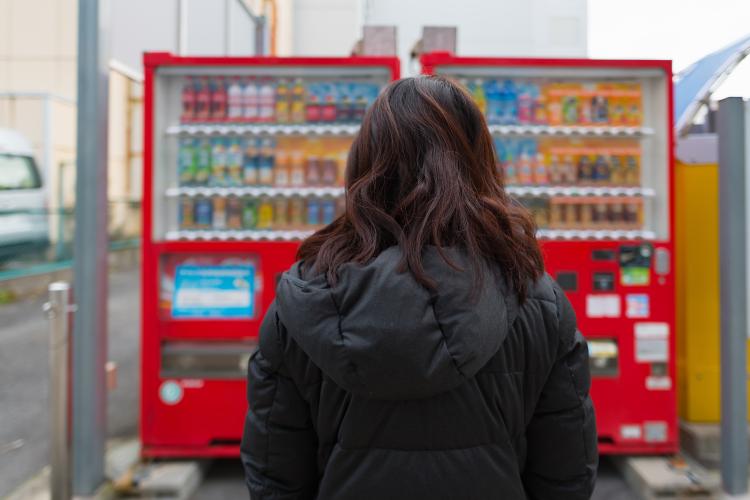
(586, 145)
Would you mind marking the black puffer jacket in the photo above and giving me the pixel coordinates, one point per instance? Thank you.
(379, 389)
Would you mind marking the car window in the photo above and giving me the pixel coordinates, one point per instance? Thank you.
(18, 172)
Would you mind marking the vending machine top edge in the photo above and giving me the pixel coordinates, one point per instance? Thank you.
(243, 158)
(587, 146)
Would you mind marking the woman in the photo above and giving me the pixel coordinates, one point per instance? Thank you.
(417, 350)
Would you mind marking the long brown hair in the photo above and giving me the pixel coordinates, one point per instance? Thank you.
(421, 171)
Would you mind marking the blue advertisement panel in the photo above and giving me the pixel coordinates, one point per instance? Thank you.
(225, 292)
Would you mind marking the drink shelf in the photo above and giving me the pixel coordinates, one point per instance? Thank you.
(595, 234)
(341, 129)
(570, 131)
(254, 191)
(296, 235)
(237, 235)
(550, 191)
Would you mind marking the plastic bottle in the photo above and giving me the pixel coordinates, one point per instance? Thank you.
(493, 102)
(266, 162)
(480, 98)
(265, 213)
(234, 213)
(234, 163)
(282, 101)
(541, 176)
(328, 107)
(280, 213)
(511, 103)
(203, 166)
(186, 213)
(266, 101)
(525, 104)
(360, 107)
(297, 170)
(344, 106)
(218, 100)
(298, 102)
(187, 166)
(250, 164)
(203, 213)
(312, 171)
(218, 163)
(234, 96)
(313, 212)
(312, 107)
(188, 101)
(250, 101)
(525, 175)
(281, 169)
(220, 213)
(249, 213)
(202, 101)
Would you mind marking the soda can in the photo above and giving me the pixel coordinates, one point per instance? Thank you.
(328, 210)
(313, 212)
(186, 213)
(249, 213)
(203, 213)
(234, 213)
(280, 213)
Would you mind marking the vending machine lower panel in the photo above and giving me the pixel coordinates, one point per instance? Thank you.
(623, 294)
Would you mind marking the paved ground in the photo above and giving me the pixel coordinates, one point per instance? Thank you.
(24, 373)
(23, 395)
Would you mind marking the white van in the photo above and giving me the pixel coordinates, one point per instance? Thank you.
(24, 226)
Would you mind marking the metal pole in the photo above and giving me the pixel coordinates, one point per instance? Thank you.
(733, 267)
(58, 311)
(227, 26)
(182, 27)
(260, 35)
(90, 249)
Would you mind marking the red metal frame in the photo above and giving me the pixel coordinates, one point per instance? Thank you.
(623, 399)
(208, 420)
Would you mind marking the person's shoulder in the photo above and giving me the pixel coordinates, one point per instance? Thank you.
(555, 304)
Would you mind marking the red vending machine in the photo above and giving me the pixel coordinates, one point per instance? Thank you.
(243, 158)
(586, 145)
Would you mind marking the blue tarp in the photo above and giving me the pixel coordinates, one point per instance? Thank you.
(696, 83)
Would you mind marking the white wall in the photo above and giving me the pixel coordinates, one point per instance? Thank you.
(325, 27)
(485, 27)
(151, 25)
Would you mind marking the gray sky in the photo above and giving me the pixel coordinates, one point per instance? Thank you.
(681, 30)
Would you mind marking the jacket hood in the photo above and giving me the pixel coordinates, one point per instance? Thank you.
(381, 334)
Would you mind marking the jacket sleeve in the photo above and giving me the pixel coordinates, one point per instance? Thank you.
(279, 445)
(562, 455)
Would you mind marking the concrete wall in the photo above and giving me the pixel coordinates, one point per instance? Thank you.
(38, 46)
